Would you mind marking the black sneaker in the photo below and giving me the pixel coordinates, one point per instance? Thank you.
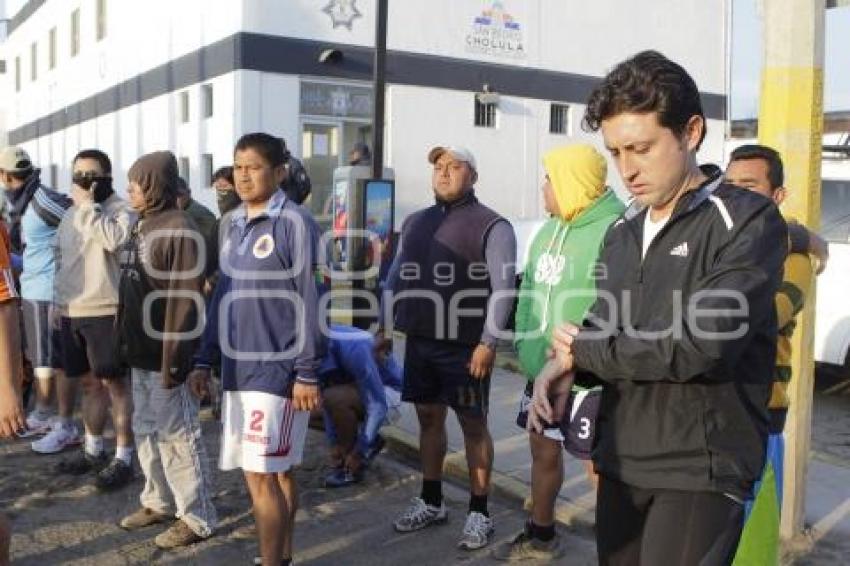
(116, 474)
(82, 463)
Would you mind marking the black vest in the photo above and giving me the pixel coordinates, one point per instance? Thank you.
(444, 269)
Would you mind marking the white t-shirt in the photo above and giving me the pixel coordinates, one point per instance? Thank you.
(651, 229)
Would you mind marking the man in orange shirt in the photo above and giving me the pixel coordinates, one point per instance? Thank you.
(12, 418)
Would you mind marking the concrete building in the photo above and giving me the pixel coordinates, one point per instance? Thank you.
(191, 76)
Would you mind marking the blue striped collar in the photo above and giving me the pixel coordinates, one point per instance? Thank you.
(274, 206)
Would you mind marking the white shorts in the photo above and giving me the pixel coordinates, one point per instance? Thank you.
(261, 432)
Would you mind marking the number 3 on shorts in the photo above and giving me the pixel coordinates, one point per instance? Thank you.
(584, 431)
(257, 421)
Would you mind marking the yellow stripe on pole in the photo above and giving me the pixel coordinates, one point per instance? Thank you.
(791, 122)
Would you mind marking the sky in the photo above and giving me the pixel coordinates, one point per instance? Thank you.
(747, 59)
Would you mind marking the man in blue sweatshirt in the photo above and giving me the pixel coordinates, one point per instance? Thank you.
(36, 211)
(355, 403)
(264, 324)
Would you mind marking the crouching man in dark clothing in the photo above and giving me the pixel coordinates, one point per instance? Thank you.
(162, 271)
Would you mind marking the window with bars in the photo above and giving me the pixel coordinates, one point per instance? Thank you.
(34, 62)
(183, 167)
(485, 114)
(75, 32)
(559, 118)
(207, 100)
(207, 169)
(184, 107)
(51, 49)
(101, 19)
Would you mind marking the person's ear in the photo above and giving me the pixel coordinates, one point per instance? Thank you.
(779, 195)
(693, 132)
(473, 178)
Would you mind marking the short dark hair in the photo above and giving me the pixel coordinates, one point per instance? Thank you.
(96, 155)
(775, 169)
(225, 173)
(270, 147)
(647, 82)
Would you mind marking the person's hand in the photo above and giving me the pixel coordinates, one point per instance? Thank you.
(541, 411)
(305, 397)
(481, 363)
(12, 418)
(562, 344)
(382, 345)
(819, 248)
(81, 196)
(199, 382)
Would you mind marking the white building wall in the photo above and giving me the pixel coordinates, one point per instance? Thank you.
(150, 126)
(565, 35)
(139, 36)
(509, 156)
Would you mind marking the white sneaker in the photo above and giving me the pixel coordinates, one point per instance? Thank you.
(58, 439)
(420, 515)
(476, 531)
(38, 423)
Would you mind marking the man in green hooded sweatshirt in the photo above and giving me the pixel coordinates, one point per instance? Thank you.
(558, 286)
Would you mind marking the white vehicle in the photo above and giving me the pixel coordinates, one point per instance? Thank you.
(832, 312)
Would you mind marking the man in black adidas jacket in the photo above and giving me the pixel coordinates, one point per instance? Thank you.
(682, 335)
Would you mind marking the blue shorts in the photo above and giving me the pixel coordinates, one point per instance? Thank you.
(437, 372)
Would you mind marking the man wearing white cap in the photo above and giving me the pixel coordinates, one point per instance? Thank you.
(35, 213)
(451, 278)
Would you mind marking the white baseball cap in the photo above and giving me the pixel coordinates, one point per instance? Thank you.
(14, 159)
(459, 153)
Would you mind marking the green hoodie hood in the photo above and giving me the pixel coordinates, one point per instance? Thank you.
(558, 283)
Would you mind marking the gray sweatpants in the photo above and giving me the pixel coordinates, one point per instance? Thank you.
(171, 452)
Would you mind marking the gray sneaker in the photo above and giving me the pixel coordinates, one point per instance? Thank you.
(524, 547)
(420, 515)
(476, 531)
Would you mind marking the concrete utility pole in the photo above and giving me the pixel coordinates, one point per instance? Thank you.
(791, 121)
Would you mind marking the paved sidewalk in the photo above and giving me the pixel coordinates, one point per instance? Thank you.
(63, 520)
(828, 492)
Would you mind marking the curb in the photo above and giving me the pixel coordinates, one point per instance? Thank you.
(406, 446)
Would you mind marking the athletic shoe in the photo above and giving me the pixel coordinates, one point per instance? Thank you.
(525, 547)
(142, 518)
(374, 450)
(258, 561)
(340, 477)
(476, 531)
(420, 515)
(116, 474)
(58, 439)
(38, 423)
(82, 463)
(177, 535)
